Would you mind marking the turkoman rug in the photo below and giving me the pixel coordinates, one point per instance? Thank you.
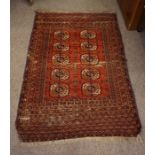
(76, 82)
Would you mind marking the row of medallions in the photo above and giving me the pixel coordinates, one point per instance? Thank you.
(87, 74)
(86, 59)
(64, 35)
(63, 47)
(62, 90)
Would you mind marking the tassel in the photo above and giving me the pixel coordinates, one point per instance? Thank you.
(139, 139)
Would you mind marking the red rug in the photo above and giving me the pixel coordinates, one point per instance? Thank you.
(76, 82)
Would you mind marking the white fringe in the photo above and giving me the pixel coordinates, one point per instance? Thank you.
(104, 140)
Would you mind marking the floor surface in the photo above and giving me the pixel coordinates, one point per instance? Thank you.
(22, 16)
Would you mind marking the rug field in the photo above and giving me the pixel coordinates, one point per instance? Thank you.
(76, 82)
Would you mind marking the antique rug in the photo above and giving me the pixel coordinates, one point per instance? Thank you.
(76, 82)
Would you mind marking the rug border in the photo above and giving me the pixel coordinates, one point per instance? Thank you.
(124, 63)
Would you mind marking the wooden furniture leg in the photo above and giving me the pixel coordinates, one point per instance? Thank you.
(30, 2)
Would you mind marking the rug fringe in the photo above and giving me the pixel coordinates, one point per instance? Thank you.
(105, 140)
(139, 139)
(49, 11)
